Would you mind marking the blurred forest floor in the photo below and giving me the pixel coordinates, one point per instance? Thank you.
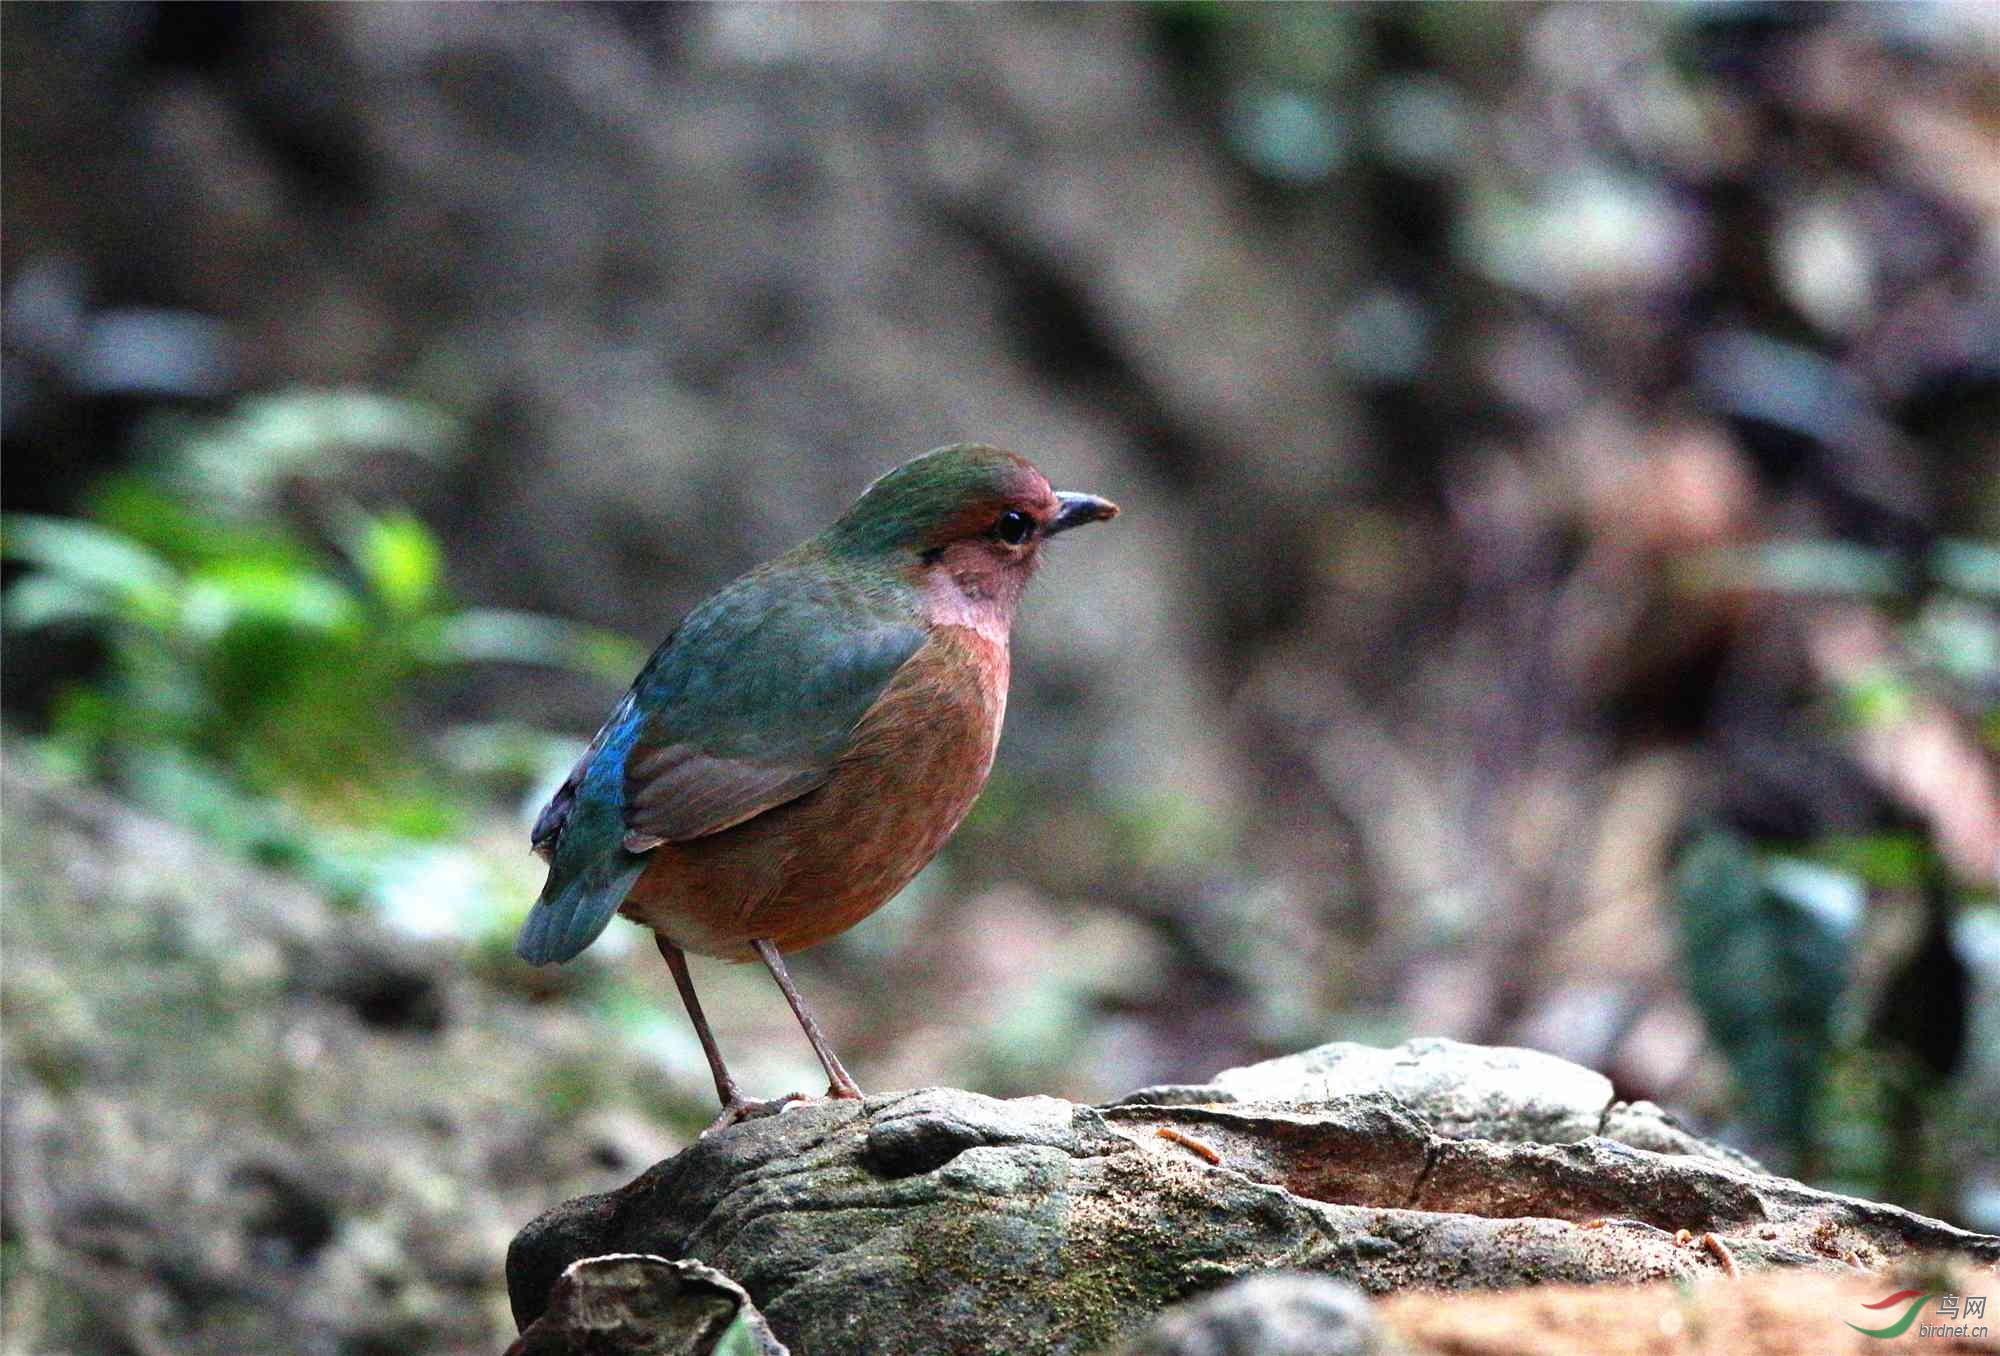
(1557, 600)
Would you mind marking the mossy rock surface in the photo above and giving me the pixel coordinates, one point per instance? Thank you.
(944, 1221)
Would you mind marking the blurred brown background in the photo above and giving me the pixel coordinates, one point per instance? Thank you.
(1554, 605)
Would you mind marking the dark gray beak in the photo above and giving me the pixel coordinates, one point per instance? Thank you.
(1078, 509)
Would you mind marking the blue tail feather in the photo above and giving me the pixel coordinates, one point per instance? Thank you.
(590, 871)
(561, 927)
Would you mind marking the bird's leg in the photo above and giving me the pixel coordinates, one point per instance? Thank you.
(839, 1083)
(725, 1086)
(735, 1106)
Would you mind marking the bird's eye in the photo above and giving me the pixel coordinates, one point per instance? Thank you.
(1014, 527)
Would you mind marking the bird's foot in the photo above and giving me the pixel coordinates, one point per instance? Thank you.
(739, 1109)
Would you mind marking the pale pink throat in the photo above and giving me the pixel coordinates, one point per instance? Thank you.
(965, 586)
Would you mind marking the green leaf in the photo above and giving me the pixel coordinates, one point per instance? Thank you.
(85, 553)
(241, 459)
(45, 599)
(184, 531)
(401, 561)
(306, 422)
(498, 635)
(227, 593)
(1765, 973)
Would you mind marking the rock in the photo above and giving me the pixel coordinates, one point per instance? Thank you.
(240, 1118)
(944, 1220)
(1283, 1314)
(633, 1305)
(1459, 1091)
(1645, 1126)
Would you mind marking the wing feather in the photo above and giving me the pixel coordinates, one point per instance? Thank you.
(675, 792)
(749, 704)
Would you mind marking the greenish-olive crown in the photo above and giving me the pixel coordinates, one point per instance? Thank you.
(925, 499)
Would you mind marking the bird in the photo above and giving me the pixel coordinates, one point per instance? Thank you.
(806, 739)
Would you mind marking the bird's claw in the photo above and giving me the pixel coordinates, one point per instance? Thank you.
(739, 1109)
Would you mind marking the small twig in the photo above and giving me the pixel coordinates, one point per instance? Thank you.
(1189, 1142)
(1713, 1245)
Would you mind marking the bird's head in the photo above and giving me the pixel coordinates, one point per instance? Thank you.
(968, 522)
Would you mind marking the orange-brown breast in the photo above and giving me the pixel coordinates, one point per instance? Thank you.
(814, 867)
